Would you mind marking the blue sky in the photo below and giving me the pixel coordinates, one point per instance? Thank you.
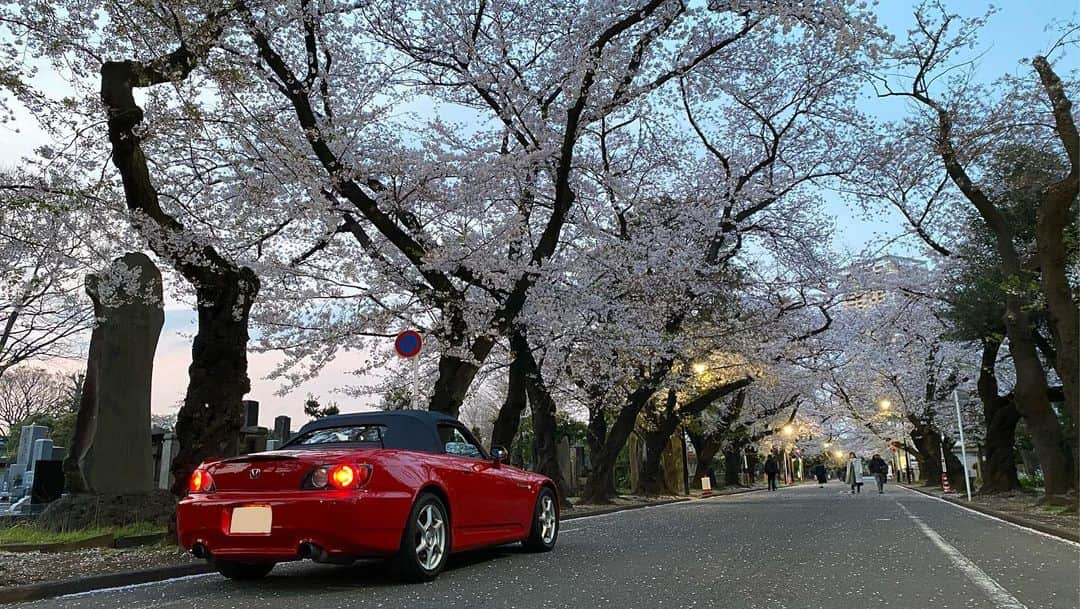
(1017, 31)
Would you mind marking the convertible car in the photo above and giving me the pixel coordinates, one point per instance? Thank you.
(412, 486)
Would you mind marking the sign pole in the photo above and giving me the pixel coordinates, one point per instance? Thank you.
(416, 383)
(963, 446)
(408, 345)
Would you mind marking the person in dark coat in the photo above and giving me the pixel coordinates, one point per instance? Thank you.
(880, 469)
(821, 474)
(771, 470)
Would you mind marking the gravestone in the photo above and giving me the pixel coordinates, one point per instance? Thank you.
(251, 413)
(48, 482)
(42, 451)
(27, 436)
(111, 451)
(282, 429)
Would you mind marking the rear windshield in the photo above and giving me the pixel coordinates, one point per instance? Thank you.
(346, 434)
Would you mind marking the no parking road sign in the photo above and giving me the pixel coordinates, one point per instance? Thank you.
(408, 343)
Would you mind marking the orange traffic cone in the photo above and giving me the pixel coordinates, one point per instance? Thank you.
(945, 483)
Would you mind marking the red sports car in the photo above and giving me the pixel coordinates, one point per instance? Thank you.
(412, 486)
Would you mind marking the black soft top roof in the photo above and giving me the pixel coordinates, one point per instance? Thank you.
(402, 429)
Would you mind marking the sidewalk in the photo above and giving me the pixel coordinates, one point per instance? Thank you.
(1017, 508)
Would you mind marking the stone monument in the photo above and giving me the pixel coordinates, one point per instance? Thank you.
(111, 452)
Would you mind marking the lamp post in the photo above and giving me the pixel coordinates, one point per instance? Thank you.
(963, 446)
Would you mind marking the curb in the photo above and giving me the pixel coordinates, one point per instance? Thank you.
(1041, 527)
(100, 541)
(621, 508)
(34, 592)
(624, 508)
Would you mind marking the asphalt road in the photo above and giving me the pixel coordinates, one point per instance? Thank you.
(803, 547)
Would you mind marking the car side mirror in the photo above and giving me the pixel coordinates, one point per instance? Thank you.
(499, 454)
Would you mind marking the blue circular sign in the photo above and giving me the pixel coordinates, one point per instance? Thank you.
(408, 343)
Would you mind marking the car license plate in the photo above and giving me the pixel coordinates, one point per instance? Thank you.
(251, 520)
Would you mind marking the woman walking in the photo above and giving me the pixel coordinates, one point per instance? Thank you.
(854, 473)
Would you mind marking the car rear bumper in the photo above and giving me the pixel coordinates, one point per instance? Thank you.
(344, 524)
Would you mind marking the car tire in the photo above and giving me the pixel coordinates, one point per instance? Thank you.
(425, 543)
(545, 522)
(242, 571)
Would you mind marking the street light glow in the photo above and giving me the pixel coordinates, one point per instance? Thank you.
(885, 404)
(700, 368)
(789, 429)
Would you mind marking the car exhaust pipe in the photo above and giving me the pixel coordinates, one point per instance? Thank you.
(312, 551)
(200, 551)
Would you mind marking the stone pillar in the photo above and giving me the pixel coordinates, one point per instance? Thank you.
(111, 451)
(27, 437)
(169, 449)
(251, 413)
(562, 453)
(282, 429)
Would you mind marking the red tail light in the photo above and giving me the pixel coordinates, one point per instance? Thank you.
(342, 476)
(201, 482)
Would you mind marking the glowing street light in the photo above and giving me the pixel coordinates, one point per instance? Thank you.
(789, 429)
(839, 454)
(699, 368)
(885, 404)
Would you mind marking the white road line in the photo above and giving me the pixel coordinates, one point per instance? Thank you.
(1001, 597)
(136, 586)
(994, 518)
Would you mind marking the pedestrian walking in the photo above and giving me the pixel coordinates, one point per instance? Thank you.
(880, 469)
(854, 473)
(771, 470)
(821, 474)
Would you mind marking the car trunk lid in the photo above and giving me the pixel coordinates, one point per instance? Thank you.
(272, 471)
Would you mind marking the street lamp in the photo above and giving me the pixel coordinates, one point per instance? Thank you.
(885, 404)
(789, 429)
(699, 368)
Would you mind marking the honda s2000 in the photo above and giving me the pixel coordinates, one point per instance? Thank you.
(410, 486)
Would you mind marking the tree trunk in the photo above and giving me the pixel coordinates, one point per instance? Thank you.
(1000, 416)
(999, 468)
(543, 416)
(1055, 209)
(706, 447)
(600, 486)
(732, 466)
(652, 480)
(211, 415)
(209, 422)
(456, 376)
(1032, 400)
(547, 450)
(1031, 386)
(509, 417)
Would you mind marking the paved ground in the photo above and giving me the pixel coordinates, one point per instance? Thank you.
(797, 548)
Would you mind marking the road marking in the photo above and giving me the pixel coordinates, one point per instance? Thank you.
(1001, 597)
(994, 518)
(135, 586)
